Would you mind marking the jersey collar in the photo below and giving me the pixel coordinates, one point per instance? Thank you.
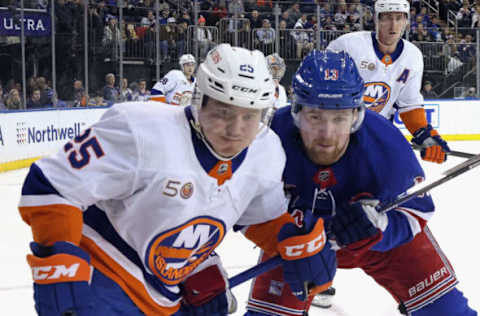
(218, 169)
(387, 59)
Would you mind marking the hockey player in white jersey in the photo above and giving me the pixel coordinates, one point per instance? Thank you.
(276, 65)
(126, 216)
(392, 69)
(176, 87)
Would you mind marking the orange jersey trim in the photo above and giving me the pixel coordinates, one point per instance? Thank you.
(222, 171)
(161, 98)
(414, 119)
(52, 223)
(130, 285)
(265, 234)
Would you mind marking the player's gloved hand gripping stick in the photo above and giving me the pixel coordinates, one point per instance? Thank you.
(448, 175)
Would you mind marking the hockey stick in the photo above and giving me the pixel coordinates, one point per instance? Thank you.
(450, 153)
(449, 175)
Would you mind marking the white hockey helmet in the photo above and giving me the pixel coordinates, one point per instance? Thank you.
(186, 59)
(235, 76)
(276, 60)
(383, 6)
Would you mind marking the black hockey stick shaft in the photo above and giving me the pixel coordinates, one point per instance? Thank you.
(451, 152)
(449, 175)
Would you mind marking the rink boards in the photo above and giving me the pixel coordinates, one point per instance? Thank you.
(29, 135)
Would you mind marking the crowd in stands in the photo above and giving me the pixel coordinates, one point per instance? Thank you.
(253, 21)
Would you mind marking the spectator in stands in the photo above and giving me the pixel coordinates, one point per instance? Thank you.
(204, 38)
(13, 100)
(79, 95)
(302, 21)
(110, 93)
(111, 39)
(293, 14)
(34, 101)
(236, 8)
(464, 15)
(2, 101)
(340, 17)
(264, 6)
(265, 38)
(329, 24)
(142, 93)
(164, 16)
(206, 9)
(285, 17)
(302, 41)
(422, 35)
(149, 19)
(447, 5)
(367, 20)
(466, 50)
(287, 42)
(98, 100)
(186, 18)
(125, 94)
(428, 92)
(470, 93)
(46, 92)
(171, 30)
(476, 17)
(255, 21)
(181, 37)
(219, 11)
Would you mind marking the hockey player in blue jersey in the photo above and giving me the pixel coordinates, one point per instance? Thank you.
(342, 162)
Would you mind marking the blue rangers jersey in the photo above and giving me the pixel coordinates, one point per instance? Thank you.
(378, 162)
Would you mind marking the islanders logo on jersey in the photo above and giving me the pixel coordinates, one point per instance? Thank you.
(174, 254)
(376, 94)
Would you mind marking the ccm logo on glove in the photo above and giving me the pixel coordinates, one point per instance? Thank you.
(47, 270)
(303, 246)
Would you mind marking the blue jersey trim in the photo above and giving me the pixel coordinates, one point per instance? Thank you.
(398, 50)
(37, 184)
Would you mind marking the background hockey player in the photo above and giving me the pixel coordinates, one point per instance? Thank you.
(176, 87)
(276, 65)
(392, 69)
(342, 161)
(146, 194)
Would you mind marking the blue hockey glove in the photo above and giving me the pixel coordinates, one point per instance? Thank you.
(434, 148)
(206, 293)
(308, 259)
(61, 274)
(358, 225)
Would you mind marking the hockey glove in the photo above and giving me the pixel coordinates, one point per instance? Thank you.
(358, 226)
(434, 148)
(206, 293)
(61, 274)
(308, 259)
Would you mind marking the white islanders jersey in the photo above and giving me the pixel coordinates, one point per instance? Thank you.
(175, 87)
(152, 213)
(392, 82)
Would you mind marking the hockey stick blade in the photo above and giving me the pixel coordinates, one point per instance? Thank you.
(448, 175)
(450, 153)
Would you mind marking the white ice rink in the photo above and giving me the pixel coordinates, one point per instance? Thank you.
(455, 226)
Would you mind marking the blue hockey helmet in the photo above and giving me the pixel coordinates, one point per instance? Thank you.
(328, 80)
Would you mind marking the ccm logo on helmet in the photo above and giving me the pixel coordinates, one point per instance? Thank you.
(244, 89)
(54, 272)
